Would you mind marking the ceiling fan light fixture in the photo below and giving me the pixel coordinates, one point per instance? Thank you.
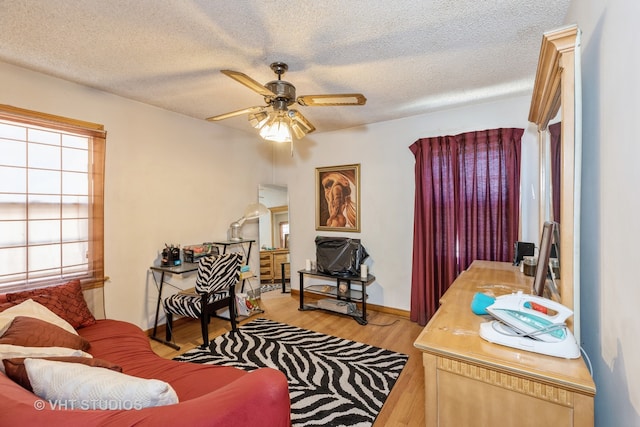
(299, 124)
(297, 130)
(277, 128)
(257, 120)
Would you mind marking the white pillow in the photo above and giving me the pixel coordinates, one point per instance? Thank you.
(30, 308)
(9, 351)
(86, 387)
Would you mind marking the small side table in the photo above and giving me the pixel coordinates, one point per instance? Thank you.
(185, 267)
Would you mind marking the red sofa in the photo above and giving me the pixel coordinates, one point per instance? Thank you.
(208, 395)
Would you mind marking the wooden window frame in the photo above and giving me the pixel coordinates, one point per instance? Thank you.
(94, 277)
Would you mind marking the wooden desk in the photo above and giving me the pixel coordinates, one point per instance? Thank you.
(469, 381)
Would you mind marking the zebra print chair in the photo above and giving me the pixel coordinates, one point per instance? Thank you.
(215, 289)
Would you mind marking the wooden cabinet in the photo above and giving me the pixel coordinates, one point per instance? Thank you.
(271, 265)
(280, 258)
(469, 381)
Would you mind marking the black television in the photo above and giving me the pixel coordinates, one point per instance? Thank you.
(339, 256)
(544, 276)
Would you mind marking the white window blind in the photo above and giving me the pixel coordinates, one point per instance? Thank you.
(51, 208)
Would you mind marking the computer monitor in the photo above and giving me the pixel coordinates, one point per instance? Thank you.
(544, 273)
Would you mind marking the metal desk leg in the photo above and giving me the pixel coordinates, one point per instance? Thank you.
(248, 259)
(155, 323)
(249, 252)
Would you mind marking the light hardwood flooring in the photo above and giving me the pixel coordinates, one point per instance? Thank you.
(405, 405)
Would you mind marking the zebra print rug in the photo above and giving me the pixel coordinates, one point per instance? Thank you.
(332, 381)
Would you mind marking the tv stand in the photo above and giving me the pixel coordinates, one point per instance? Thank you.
(342, 292)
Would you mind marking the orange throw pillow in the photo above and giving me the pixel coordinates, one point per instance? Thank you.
(31, 332)
(67, 301)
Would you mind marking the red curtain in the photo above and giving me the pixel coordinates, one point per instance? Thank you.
(554, 132)
(466, 208)
(434, 224)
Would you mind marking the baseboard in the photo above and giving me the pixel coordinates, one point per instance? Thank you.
(370, 307)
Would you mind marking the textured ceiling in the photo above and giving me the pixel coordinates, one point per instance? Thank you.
(406, 56)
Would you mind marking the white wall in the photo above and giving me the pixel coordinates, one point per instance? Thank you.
(387, 181)
(169, 178)
(610, 228)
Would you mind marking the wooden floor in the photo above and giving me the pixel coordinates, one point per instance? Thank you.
(404, 406)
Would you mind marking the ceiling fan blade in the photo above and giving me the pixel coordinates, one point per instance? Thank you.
(236, 113)
(332, 100)
(248, 82)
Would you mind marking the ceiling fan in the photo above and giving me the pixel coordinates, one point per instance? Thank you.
(275, 120)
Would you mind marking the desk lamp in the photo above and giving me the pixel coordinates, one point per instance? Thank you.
(252, 211)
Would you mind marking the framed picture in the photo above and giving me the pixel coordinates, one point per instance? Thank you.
(338, 198)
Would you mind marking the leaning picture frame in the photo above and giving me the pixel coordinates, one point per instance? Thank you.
(338, 198)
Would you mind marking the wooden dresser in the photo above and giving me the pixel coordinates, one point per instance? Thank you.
(469, 381)
(270, 265)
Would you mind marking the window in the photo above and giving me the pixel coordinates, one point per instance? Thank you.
(466, 208)
(284, 234)
(51, 200)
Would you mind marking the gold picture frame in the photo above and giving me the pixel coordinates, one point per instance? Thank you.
(338, 186)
